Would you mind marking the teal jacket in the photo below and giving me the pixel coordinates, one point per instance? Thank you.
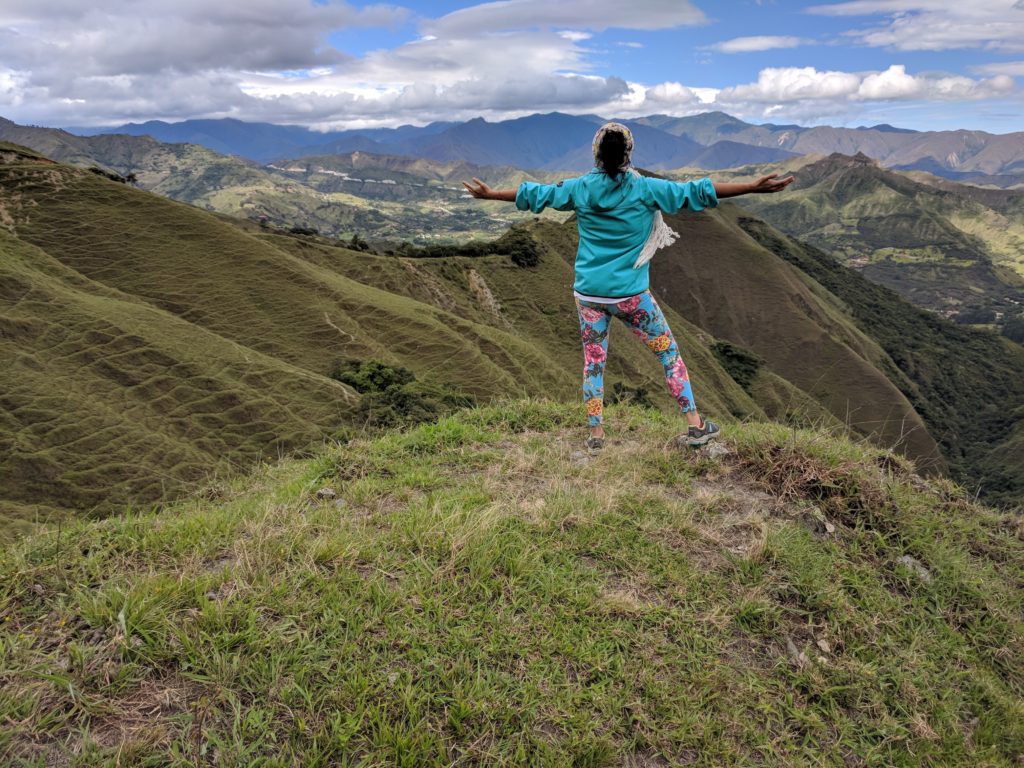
(614, 219)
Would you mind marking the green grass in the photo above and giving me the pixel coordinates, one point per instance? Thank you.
(476, 594)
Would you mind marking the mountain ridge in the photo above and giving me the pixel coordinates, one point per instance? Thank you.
(948, 248)
(953, 152)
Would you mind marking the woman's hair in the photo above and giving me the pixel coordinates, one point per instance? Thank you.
(613, 146)
(611, 153)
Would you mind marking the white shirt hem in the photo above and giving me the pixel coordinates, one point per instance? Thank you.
(603, 299)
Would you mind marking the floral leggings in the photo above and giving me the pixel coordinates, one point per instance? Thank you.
(645, 318)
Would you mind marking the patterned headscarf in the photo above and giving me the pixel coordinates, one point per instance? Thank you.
(626, 134)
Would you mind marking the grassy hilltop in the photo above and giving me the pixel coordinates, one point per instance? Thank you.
(477, 592)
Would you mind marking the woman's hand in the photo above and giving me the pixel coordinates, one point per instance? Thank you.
(481, 191)
(771, 183)
(478, 189)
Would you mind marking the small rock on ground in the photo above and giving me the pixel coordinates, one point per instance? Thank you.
(715, 449)
(916, 567)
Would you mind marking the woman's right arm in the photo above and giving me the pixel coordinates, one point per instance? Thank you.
(672, 196)
(766, 184)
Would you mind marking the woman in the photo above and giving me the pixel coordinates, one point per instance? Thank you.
(618, 213)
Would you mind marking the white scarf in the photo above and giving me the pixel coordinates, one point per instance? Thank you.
(661, 235)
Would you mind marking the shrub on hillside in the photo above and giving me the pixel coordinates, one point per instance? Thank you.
(371, 375)
(522, 248)
(976, 316)
(516, 243)
(109, 174)
(1014, 329)
(357, 243)
(392, 397)
(739, 363)
(623, 393)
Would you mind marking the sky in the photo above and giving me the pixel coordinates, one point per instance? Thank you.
(920, 64)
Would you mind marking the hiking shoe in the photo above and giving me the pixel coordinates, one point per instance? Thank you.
(698, 436)
(595, 444)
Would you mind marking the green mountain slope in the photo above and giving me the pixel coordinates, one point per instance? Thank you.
(949, 248)
(108, 402)
(742, 293)
(472, 592)
(219, 278)
(967, 385)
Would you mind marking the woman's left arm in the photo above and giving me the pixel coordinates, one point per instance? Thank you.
(766, 184)
(481, 191)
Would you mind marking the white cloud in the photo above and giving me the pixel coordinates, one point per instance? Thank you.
(757, 43)
(1009, 68)
(51, 38)
(670, 98)
(73, 63)
(936, 25)
(868, 7)
(793, 84)
(807, 84)
(594, 15)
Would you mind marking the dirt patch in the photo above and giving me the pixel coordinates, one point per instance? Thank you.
(629, 595)
(649, 759)
(134, 721)
(136, 714)
(436, 293)
(6, 218)
(483, 295)
(741, 497)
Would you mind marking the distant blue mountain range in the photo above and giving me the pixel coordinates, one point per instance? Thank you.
(552, 141)
(557, 141)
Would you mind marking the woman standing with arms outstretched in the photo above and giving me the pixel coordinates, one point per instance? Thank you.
(618, 213)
